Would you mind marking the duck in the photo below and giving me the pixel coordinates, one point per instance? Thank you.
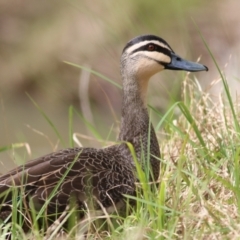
(99, 177)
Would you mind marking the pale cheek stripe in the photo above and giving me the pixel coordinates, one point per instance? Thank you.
(161, 57)
(140, 44)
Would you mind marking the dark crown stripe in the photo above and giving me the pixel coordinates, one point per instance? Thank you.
(158, 48)
(145, 38)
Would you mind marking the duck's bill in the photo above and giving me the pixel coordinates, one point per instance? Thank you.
(178, 63)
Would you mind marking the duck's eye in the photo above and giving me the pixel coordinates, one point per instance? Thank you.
(151, 47)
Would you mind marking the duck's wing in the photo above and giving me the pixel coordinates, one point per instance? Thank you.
(82, 172)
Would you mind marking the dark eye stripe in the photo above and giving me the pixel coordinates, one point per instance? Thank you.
(157, 49)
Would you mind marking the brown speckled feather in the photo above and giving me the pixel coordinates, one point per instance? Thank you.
(96, 172)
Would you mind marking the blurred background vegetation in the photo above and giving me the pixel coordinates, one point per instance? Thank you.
(37, 37)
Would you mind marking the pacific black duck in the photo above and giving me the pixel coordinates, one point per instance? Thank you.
(100, 175)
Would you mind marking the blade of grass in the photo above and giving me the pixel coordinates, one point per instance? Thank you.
(70, 126)
(192, 122)
(89, 126)
(48, 120)
(165, 116)
(40, 213)
(95, 73)
(224, 81)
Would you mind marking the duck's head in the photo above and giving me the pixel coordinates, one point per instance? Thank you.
(146, 55)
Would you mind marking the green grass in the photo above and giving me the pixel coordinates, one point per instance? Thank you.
(198, 196)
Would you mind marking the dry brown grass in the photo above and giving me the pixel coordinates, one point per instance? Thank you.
(202, 179)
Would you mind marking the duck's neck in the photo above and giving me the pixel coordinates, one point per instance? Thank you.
(135, 119)
(135, 122)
